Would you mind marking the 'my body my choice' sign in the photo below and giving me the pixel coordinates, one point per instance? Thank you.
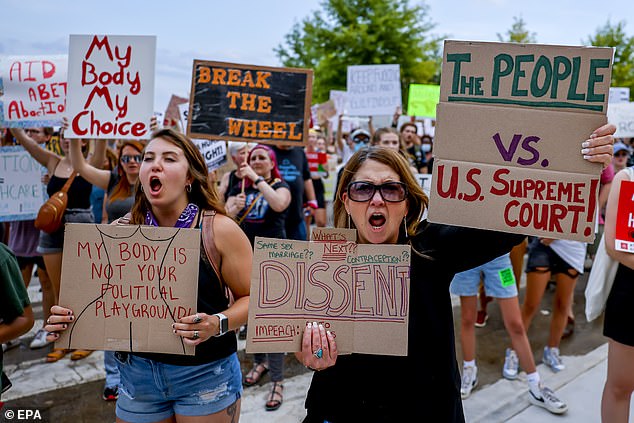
(511, 120)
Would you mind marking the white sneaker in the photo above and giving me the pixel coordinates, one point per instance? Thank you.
(469, 381)
(547, 399)
(10, 344)
(551, 359)
(39, 340)
(511, 365)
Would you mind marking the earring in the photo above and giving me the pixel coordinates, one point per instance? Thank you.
(348, 222)
(405, 226)
(188, 187)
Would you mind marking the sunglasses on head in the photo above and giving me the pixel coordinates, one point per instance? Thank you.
(392, 192)
(126, 158)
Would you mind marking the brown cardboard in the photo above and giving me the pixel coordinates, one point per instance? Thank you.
(122, 310)
(359, 292)
(484, 127)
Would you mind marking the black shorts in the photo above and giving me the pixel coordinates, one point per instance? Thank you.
(542, 256)
(23, 262)
(319, 193)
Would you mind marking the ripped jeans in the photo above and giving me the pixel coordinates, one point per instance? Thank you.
(151, 391)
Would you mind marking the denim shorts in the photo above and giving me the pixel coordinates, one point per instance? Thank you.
(540, 255)
(498, 276)
(54, 243)
(151, 391)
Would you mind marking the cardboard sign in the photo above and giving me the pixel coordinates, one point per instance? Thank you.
(373, 89)
(247, 103)
(172, 117)
(21, 189)
(214, 152)
(34, 90)
(127, 284)
(511, 120)
(359, 292)
(624, 235)
(622, 116)
(422, 100)
(110, 86)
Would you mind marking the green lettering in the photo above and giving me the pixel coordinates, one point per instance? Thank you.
(543, 64)
(574, 81)
(458, 58)
(594, 78)
(519, 73)
(498, 72)
(560, 75)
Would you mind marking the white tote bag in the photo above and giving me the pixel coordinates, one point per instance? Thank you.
(601, 276)
(599, 281)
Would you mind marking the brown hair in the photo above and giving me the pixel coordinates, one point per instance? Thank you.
(122, 189)
(415, 195)
(412, 124)
(202, 193)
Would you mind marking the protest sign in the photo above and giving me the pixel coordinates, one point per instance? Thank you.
(359, 292)
(33, 90)
(373, 89)
(619, 95)
(507, 146)
(250, 103)
(317, 164)
(624, 234)
(214, 152)
(621, 115)
(110, 86)
(127, 284)
(422, 100)
(21, 189)
(172, 117)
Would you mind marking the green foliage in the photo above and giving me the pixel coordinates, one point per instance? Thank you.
(518, 33)
(623, 67)
(363, 32)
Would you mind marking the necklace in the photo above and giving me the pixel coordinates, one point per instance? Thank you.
(184, 220)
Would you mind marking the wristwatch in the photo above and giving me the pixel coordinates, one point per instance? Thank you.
(223, 323)
(258, 180)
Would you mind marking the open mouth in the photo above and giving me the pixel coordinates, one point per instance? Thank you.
(377, 220)
(155, 184)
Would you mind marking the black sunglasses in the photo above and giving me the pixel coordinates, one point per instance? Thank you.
(392, 192)
(126, 158)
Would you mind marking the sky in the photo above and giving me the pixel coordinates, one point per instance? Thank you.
(247, 31)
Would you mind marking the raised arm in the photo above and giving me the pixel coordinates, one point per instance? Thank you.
(43, 156)
(98, 177)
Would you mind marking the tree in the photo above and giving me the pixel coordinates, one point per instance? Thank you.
(518, 33)
(623, 67)
(363, 32)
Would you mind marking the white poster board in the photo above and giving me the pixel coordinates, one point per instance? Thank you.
(619, 95)
(33, 90)
(373, 89)
(110, 86)
(622, 116)
(21, 189)
(214, 152)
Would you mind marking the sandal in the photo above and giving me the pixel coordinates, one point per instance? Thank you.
(255, 374)
(274, 403)
(79, 354)
(56, 354)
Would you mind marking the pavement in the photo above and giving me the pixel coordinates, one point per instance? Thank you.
(580, 385)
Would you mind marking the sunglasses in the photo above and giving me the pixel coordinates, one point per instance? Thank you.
(126, 158)
(392, 192)
(621, 154)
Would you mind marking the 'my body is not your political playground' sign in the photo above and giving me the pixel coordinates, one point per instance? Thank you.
(510, 124)
(359, 292)
(127, 284)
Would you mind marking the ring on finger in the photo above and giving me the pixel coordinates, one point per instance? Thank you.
(319, 353)
(197, 319)
(196, 335)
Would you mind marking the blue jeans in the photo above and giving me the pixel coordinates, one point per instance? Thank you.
(112, 370)
(151, 391)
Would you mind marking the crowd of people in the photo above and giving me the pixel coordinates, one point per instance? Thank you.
(278, 191)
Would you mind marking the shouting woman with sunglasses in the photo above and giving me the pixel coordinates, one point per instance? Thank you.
(380, 198)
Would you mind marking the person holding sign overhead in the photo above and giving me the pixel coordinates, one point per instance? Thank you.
(380, 198)
(173, 191)
(617, 325)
